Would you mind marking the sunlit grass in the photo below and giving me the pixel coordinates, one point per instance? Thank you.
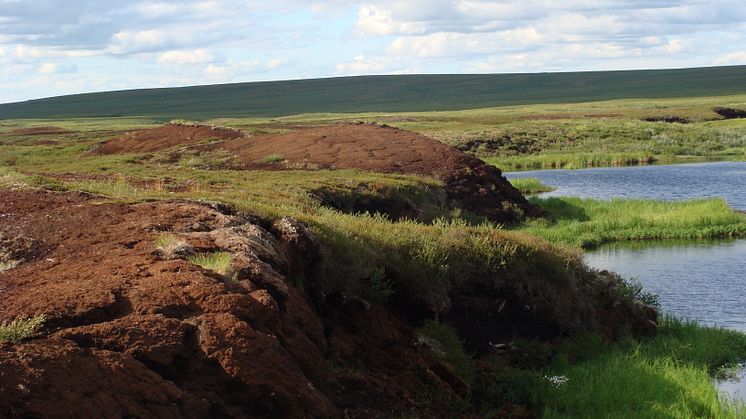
(219, 262)
(588, 222)
(669, 376)
(530, 186)
(21, 329)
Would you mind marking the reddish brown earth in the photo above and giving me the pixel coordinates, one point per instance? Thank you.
(165, 137)
(131, 333)
(476, 186)
(49, 130)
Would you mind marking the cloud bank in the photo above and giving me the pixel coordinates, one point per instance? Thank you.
(53, 47)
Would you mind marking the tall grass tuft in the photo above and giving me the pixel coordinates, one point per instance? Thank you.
(669, 376)
(21, 329)
(588, 223)
(530, 186)
(219, 262)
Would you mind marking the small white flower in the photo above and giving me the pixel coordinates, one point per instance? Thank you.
(557, 381)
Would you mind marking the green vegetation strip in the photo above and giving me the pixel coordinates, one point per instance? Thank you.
(588, 223)
(669, 376)
(530, 186)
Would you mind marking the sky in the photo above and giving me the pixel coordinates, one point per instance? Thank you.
(53, 47)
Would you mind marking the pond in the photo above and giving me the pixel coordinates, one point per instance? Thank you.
(672, 182)
(702, 281)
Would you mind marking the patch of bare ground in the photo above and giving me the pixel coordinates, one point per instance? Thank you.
(47, 130)
(164, 137)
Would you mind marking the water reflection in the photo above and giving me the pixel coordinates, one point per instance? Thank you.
(672, 182)
(702, 281)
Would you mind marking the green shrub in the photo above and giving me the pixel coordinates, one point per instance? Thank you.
(444, 342)
(21, 329)
(273, 158)
(219, 262)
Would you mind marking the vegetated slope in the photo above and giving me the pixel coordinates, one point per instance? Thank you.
(387, 93)
(136, 329)
(161, 138)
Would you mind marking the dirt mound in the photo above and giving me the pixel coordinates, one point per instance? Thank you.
(671, 119)
(478, 187)
(47, 130)
(165, 137)
(730, 113)
(131, 332)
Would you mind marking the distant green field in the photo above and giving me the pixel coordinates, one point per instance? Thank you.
(409, 93)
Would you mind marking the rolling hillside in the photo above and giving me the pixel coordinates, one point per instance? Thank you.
(386, 93)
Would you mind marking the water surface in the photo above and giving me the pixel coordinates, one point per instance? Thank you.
(671, 182)
(702, 281)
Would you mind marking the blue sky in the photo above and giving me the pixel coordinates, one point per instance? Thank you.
(52, 47)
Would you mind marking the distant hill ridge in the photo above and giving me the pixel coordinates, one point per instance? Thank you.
(386, 94)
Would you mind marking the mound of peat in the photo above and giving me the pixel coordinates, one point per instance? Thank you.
(164, 137)
(730, 113)
(476, 186)
(133, 333)
(137, 331)
(47, 130)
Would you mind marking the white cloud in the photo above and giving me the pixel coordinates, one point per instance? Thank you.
(56, 68)
(170, 42)
(370, 65)
(197, 56)
(732, 58)
(138, 41)
(372, 20)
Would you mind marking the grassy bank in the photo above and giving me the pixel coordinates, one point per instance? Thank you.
(530, 186)
(588, 223)
(669, 376)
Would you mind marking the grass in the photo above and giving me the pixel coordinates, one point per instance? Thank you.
(588, 223)
(21, 329)
(572, 161)
(219, 262)
(530, 186)
(172, 246)
(375, 259)
(385, 93)
(273, 158)
(7, 265)
(669, 376)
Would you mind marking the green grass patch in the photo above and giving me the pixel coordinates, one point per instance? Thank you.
(445, 344)
(570, 161)
(530, 186)
(588, 223)
(273, 158)
(7, 265)
(669, 376)
(21, 329)
(219, 262)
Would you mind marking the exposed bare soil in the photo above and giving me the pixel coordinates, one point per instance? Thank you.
(671, 119)
(48, 130)
(131, 333)
(730, 113)
(165, 137)
(476, 186)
